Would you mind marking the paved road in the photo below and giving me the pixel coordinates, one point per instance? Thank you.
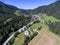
(5, 43)
(8, 39)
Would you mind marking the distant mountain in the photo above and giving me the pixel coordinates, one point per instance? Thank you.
(9, 9)
(5, 8)
(12, 18)
(52, 9)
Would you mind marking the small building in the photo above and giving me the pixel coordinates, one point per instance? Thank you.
(24, 28)
(27, 32)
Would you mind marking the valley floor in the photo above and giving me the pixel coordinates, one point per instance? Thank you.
(45, 37)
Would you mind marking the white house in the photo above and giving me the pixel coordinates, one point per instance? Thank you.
(27, 32)
(24, 28)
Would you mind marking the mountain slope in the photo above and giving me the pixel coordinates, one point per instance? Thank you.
(11, 19)
(52, 9)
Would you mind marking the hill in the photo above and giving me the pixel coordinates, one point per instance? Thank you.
(51, 9)
(11, 19)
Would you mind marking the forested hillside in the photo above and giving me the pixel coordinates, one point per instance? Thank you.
(51, 9)
(55, 27)
(11, 19)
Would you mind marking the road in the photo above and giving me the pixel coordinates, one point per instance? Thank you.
(5, 43)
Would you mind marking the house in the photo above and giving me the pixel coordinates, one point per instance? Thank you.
(27, 32)
(24, 28)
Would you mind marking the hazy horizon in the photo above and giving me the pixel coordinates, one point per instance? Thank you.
(28, 4)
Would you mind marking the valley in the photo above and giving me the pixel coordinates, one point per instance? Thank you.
(38, 26)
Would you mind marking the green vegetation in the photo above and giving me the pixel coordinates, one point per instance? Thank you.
(34, 26)
(8, 20)
(19, 39)
(12, 25)
(45, 34)
(29, 38)
(44, 31)
(50, 18)
(51, 10)
(55, 27)
(12, 18)
(38, 24)
(22, 39)
(18, 13)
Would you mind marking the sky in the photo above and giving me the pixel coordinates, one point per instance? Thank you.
(28, 4)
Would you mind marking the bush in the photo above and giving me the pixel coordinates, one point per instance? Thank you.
(36, 21)
(39, 28)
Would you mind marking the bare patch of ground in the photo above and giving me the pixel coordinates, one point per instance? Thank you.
(44, 37)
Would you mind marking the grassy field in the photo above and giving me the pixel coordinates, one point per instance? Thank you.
(20, 39)
(36, 25)
(51, 18)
